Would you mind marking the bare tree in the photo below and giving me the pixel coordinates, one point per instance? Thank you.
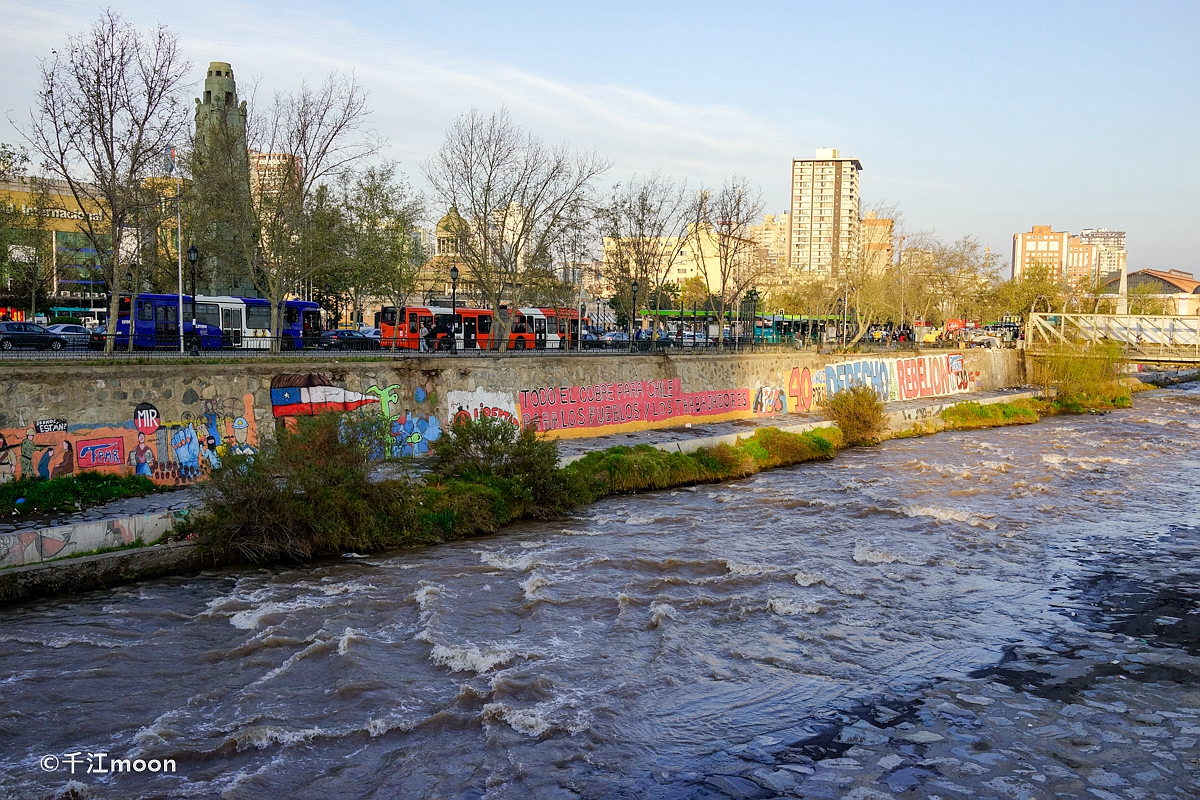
(309, 139)
(644, 225)
(517, 198)
(108, 110)
(723, 242)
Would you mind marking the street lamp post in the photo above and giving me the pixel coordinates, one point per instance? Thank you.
(753, 296)
(632, 312)
(193, 257)
(454, 309)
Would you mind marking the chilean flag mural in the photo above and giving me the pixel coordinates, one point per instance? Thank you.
(309, 395)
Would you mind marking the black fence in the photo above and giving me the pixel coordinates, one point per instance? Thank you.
(95, 348)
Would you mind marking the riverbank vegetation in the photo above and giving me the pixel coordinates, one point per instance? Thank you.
(1080, 378)
(308, 493)
(70, 493)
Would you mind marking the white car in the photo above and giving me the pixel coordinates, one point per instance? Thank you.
(76, 335)
(372, 333)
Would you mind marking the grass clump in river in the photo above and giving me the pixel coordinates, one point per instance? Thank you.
(70, 493)
(620, 470)
(308, 493)
(971, 415)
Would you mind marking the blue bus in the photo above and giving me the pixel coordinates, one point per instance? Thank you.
(212, 323)
(156, 325)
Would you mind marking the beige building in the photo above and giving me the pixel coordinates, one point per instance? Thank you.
(696, 255)
(824, 215)
(1043, 245)
(1095, 255)
(878, 251)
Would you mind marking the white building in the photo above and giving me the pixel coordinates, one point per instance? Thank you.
(824, 213)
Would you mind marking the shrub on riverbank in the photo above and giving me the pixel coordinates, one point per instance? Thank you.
(1084, 377)
(70, 493)
(858, 412)
(972, 416)
(303, 494)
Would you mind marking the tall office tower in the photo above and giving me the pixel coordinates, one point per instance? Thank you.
(824, 214)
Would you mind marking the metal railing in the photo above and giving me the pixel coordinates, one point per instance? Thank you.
(147, 349)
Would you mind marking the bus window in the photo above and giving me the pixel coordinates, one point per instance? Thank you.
(388, 316)
(412, 323)
(145, 311)
(258, 316)
(552, 325)
(291, 315)
(485, 324)
(519, 325)
(208, 313)
(539, 325)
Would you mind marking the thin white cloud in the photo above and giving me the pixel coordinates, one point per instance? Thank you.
(417, 91)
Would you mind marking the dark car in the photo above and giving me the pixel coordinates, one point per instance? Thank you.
(347, 340)
(27, 334)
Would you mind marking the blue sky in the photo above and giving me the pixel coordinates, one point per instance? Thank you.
(973, 120)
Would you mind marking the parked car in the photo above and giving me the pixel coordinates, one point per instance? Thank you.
(76, 335)
(347, 340)
(372, 333)
(694, 339)
(27, 334)
(615, 337)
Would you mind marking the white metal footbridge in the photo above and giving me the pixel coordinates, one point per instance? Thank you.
(1145, 339)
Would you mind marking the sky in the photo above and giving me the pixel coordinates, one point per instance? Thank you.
(972, 119)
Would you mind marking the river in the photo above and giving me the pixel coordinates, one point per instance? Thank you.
(1000, 612)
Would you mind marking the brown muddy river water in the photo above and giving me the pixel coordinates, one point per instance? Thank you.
(1006, 613)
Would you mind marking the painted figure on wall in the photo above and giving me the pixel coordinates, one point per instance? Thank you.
(66, 462)
(241, 445)
(187, 451)
(43, 467)
(6, 457)
(210, 452)
(28, 451)
(142, 457)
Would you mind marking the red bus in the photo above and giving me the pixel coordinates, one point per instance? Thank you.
(532, 328)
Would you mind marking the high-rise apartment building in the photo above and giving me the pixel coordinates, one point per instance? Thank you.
(1110, 259)
(824, 214)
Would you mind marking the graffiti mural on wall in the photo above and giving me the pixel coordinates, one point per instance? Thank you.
(483, 403)
(167, 451)
(312, 394)
(636, 404)
(770, 400)
(900, 378)
(800, 390)
(410, 432)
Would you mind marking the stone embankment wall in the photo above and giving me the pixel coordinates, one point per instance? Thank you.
(175, 422)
